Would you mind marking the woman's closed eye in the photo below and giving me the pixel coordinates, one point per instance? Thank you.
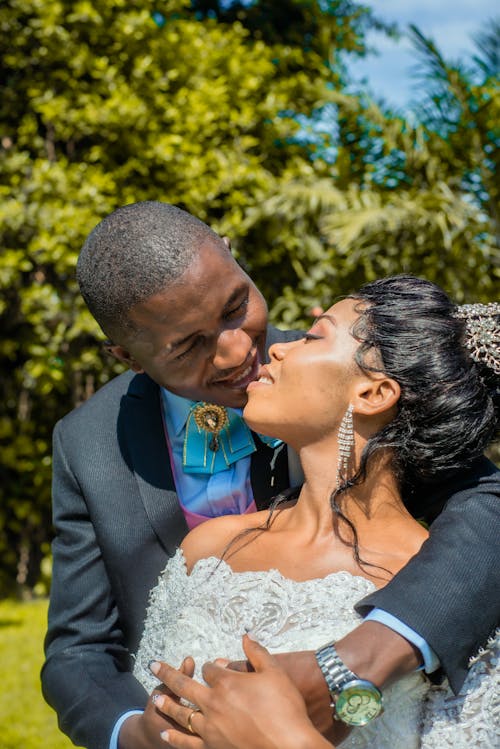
(319, 326)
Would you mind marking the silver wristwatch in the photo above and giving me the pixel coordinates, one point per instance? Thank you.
(355, 701)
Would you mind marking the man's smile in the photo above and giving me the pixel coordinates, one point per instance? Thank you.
(242, 377)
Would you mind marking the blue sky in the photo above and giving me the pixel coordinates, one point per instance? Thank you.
(449, 23)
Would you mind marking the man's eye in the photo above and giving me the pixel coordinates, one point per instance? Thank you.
(195, 343)
(238, 310)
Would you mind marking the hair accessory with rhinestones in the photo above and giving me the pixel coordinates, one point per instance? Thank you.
(482, 338)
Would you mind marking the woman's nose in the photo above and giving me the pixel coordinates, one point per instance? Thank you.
(279, 350)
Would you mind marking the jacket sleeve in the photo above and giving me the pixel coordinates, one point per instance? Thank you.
(86, 676)
(448, 592)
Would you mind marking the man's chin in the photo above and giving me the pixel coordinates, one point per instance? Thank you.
(230, 397)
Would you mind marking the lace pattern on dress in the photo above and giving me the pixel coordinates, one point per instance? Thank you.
(472, 718)
(206, 613)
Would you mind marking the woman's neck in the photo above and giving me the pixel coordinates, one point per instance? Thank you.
(307, 540)
(385, 533)
(375, 500)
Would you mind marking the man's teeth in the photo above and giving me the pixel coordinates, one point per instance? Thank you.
(241, 376)
(265, 380)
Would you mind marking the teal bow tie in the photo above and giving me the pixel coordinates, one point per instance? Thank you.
(215, 439)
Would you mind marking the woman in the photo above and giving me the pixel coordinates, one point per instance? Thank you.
(379, 398)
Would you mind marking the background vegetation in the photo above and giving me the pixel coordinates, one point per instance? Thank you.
(242, 115)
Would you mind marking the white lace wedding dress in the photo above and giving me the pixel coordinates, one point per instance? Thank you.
(205, 614)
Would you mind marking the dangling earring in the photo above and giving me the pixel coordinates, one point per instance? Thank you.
(345, 440)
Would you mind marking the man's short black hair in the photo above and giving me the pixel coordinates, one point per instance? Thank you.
(134, 253)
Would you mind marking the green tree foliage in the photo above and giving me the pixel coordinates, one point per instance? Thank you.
(237, 112)
(463, 106)
(415, 195)
(300, 23)
(106, 102)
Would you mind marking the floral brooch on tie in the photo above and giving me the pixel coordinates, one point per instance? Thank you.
(212, 419)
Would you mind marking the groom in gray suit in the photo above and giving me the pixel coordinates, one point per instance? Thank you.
(146, 458)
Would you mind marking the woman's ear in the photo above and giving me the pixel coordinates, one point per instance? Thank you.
(375, 396)
(123, 356)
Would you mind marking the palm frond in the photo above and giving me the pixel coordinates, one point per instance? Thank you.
(487, 41)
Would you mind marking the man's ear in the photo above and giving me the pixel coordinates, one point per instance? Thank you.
(376, 396)
(123, 356)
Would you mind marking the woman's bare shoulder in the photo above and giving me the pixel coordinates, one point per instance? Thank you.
(210, 539)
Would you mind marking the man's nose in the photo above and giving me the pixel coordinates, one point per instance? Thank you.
(233, 347)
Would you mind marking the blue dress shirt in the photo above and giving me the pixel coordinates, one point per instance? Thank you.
(226, 492)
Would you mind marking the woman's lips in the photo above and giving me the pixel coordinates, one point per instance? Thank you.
(264, 378)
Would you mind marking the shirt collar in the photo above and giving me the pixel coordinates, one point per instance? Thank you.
(176, 409)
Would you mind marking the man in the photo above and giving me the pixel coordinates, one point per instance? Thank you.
(146, 458)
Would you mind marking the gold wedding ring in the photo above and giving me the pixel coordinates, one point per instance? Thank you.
(190, 718)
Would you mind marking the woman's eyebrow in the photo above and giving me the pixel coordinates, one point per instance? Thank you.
(330, 319)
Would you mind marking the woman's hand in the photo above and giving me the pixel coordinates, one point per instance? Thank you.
(257, 710)
(143, 731)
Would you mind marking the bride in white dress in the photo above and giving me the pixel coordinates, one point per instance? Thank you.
(291, 576)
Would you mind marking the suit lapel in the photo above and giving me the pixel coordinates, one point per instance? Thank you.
(143, 444)
(268, 472)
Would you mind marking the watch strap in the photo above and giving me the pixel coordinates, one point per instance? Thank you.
(355, 701)
(334, 670)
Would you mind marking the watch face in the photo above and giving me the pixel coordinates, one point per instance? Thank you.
(358, 703)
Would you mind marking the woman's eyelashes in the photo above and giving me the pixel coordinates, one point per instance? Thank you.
(312, 337)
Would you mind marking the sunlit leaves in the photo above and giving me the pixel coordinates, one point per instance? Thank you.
(105, 103)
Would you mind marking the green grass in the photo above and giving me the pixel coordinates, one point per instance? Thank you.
(25, 719)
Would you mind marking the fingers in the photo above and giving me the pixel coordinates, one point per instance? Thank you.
(179, 683)
(243, 666)
(259, 657)
(187, 667)
(179, 740)
(223, 662)
(212, 673)
(186, 716)
(316, 311)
